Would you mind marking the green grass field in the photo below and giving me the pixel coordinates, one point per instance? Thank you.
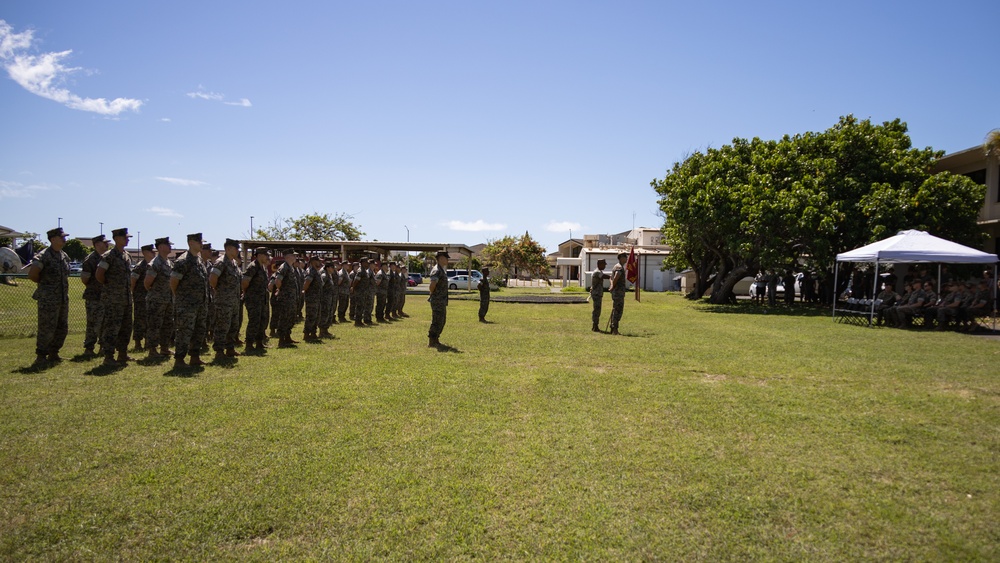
(697, 435)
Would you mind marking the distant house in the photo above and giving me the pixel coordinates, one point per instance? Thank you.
(576, 261)
(983, 169)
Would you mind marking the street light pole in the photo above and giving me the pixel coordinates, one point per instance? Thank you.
(407, 233)
(102, 227)
(251, 227)
(60, 222)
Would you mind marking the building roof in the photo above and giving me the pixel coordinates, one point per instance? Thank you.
(381, 247)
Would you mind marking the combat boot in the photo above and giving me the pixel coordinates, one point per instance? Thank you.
(231, 352)
(54, 357)
(595, 328)
(109, 360)
(196, 360)
(179, 362)
(164, 351)
(138, 344)
(123, 358)
(89, 352)
(40, 362)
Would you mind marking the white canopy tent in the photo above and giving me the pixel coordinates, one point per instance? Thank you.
(912, 247)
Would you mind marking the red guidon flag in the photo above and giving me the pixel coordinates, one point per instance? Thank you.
(632, 271)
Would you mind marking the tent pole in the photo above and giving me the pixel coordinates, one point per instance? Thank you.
(939, 279)
(994, 297)
(836, 268)
(871, 315)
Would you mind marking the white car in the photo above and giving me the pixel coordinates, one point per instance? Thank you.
(462, 282)
(779, 291)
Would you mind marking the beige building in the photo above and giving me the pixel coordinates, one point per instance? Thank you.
(985, 170)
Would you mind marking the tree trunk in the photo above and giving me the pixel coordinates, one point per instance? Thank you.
(724, 293)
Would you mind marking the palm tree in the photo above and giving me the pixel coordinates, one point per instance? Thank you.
(992, 144)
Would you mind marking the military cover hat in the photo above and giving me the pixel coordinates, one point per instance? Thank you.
(148, 247)
(206, 246)
(288, 251)
(195, 236)
(441, 253)
(261, 250)
(164, 240)
(98, 238)
(231, 242)
(625, 254)
(56, 232)
(316, 258)
(123, 232)
(363, 261)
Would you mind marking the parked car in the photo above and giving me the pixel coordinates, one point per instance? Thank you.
(462, 282)
(476, 274)
(415, 279)
(75, 267)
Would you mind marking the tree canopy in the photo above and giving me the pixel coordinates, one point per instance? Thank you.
(762, 204)
(517, 255)
(314, 226)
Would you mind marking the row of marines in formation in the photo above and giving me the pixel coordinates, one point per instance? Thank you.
(198, 296)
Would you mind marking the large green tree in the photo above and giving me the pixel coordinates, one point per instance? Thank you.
(517, 256)
(312, 226)
(771, 204)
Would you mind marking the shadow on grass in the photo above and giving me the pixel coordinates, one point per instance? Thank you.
(153, 360)
(446, 348)
(83, 357)
(781, 310)
(225, 362)
(102, 370)
(34, 368)
(184, 371)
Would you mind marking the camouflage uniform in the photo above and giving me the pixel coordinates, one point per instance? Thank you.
(597, 298)
(390, 294)
(439, 302)
(355, 297)
(92, 299)
(381, 281)
(369, 307)
(286, 300)
(300, 280)
(52, 295)
(313, 298)
(273, 302)
(403, 281)
(116, 299)
(159, 304)
(617, 296)
(190, 304)
(328, 304)
(139, 315)
(343, 293)
(226, 304)
(256, 301)
(484, 298)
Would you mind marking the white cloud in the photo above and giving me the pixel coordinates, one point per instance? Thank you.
(562, 226)
(165, 119)
(181, 181)
(17, 190)
(44, 74)
(478, 225)
(164, 212)
(216, 97)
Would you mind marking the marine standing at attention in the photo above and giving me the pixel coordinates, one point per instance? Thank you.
(618, 291)
(159, 301)
(139, 315)
(189, 284)
(438, 299)
(255, 297)
(50, 270)
(114, 272)
(286, 292)
(225, 278)
(597, 294)
(484, 295)
(92, 295)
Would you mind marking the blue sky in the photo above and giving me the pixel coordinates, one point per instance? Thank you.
(463, 121)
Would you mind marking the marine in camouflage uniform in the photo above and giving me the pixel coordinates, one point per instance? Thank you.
(618, 292)
(327, 314)
(484, 295)
(381, 290)
(92, 294)
(359, 293)
(597, 294)
(159, 301)
(300, 280)
(353, 293)
(115, 272)
(225, 278)
(139, 316)
(404, 276)
(208, 257)
(343, 291)
(286, 296)
(438, 298)
(189, 283)
(312, 296)
(369, 307)
(50, 270)
(255, 298)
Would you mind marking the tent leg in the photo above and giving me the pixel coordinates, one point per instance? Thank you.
(836, 268)
(871, 314)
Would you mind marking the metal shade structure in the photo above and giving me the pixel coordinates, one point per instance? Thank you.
(913, 247)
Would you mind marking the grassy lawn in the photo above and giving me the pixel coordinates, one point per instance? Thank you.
(694, 436)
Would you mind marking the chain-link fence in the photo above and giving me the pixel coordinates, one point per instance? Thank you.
(19, 312)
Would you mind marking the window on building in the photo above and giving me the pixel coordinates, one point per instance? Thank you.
(977, 176)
